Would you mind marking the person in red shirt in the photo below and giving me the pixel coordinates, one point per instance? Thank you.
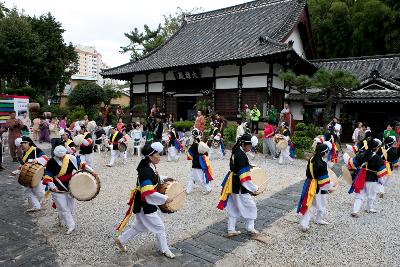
(269, 144)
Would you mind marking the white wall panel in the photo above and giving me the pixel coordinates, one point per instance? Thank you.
(226, 83)
(298, 44)
(138, 88)
(156, 77)
(254, 81)
(277, 83)
(227, 70)
(155, 87)
(297, 110)
(141, 78)
(206, 72)
(170, 76)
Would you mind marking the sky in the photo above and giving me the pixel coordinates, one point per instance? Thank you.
(102, 23)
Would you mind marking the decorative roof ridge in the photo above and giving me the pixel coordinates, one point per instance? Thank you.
(333, 60)
(267, 39)
(234, 9)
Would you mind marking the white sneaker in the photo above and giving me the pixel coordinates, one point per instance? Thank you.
(233, 233)
(70, 230)
(322, 222)
(372, 211)
(169, 254)
(119, 244)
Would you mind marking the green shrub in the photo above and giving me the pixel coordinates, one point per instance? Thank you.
(313, 131)
(56, 110)
(230, 133)
(76, 114)
(300, 126)
(299, 153)
(302, 142)
(181, 125)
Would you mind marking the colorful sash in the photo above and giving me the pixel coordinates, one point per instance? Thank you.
(25, 158)
(128, 214)
(189, 155)
(308, 193)
(226, 190)
(359, 181)
(332, 154)
(206, 167)
(113, 137)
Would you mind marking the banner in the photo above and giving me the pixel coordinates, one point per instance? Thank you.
(9, 103)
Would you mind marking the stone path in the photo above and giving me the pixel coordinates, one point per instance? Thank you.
(208, 246)
(21, 242)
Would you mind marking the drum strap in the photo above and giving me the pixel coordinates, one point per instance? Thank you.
(113, 137)
(24, 159)
(63, 186)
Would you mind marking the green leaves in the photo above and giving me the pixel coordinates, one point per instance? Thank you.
(86, 94)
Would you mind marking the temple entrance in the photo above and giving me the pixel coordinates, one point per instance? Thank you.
(185, 109)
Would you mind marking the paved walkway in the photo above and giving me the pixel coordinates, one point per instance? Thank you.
(21, 241)
(209, 246)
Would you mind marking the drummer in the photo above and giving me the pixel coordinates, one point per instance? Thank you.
(371, 173)
(201, 168)
(174, 146)
(287, 153)
(86, 148)
(31, 153)
(116, 138)
(67, 142)
(237, 186)
(144, 201)
(316, 186)
(58, 173)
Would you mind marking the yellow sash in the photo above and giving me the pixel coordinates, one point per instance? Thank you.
(69, 141)
(113, 137)
(64, 166)
(28, 153)
(313, 186)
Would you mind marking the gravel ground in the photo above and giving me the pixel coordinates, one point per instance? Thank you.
(92, 242)
(371, 240)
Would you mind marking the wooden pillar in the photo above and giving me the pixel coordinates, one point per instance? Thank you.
(146, 94)
(164, 96)
(131, 93)
(269, 84)
(240, 90)
(214, 85)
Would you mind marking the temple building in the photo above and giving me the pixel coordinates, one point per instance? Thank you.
(228, 57)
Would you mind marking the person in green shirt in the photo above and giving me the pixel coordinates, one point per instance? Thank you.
(389, 131)
(272, 114)
(255, 118)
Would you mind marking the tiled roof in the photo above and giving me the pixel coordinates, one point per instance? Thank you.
(388, 66)
(223, 35)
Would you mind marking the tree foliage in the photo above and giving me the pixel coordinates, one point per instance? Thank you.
(323, 88)
(109, 94)
(142, 43)
(344, 28)
(33, 52)
(86, 94)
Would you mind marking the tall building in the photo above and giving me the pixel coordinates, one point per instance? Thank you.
(90, 64)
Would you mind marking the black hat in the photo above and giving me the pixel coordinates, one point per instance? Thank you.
(389, 140)
(149, 150)
(245, 139)
(374, 143)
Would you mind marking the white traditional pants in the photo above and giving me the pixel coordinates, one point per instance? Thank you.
(35, 195)
(241, 205)
(65, 205)
(173, 154)
(269, 146)
(147, 223)
(320, 204)
(196, 175)
(370, 190)
(285, 154)
(116, 154)
(88, 158)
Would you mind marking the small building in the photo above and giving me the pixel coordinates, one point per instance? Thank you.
(376, 101)
(228, 57)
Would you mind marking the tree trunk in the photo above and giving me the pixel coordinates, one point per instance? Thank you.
(328, 108)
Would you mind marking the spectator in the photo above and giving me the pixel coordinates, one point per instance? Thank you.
(25, 120)
(14, 126)
(120, 125)
(286, 116)
(255, 118)
(63, 122)
(247, 113)
(153, 111)
(158, 130)
(269, 144)
(272, 112)
(200, 121)
(170, 120)
(389, 131)
(55, 136)
(240, 130)
(119, 112)
(35, 129)
(44, 130)
(355, 136)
